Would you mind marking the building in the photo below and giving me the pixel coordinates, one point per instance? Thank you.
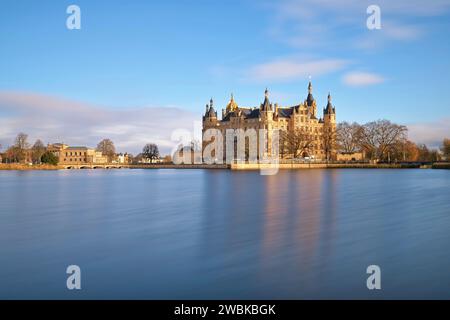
(301, 118)
(350, 156)
(186, 155)
(122, 158)
(76, 155)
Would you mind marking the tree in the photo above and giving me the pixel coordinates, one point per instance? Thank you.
(295, 142)
(37, 151)
(405, 151)
(106, 147)
(20, 147)
(348, 137)
(150, 151)
(49, 158)
(427, 155)
(11, 155)
(379, 138)
(446, 148)
(167, 159)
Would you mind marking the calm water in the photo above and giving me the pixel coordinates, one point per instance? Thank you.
(220, 234)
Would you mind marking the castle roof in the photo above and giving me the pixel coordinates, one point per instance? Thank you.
(309, 98)
(329, 108)
(233, 110)
(286, 112)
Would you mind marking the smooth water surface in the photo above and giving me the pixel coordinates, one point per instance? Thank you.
(191, 234)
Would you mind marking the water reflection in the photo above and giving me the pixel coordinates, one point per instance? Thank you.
(223, 234)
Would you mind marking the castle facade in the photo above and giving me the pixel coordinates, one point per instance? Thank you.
(303, 135)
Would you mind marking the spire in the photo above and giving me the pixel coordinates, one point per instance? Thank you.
(232, 105)
(329, 109)
(310, 98)
(210, 112)
(266, 104)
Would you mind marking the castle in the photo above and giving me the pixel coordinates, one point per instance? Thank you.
(302, 133)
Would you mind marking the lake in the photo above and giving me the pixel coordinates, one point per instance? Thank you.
(220, 234)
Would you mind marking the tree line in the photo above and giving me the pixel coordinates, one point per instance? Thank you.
(386, 141)
(21, 151)
(380, 140)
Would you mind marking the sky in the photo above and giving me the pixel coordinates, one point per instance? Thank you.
(138, 71)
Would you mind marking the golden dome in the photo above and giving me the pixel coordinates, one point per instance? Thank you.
(232, 105)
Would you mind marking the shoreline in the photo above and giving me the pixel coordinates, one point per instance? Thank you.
(235, 167)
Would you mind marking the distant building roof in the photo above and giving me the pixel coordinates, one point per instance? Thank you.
(79, 148)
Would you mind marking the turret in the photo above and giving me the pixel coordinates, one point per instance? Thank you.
(210, 113)
(310, 102)
(329, 112)
(232, 105)
(266, 105)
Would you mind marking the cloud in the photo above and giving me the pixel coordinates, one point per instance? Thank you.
(362, 79)
(401, 32)
(291, 69)
(310, 24)
(431, 133)
(55, 119)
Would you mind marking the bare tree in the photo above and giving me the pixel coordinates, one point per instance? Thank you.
(150, 151)
(428, 155)
(445, 149)
(348, 137)
(106, 147)
(405, 151)
(380, 137)
(20, 147)
(295, 142)
(37, 151)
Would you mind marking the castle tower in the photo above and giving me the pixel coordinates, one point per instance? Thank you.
(266, 120)
(310, 102)
(210, 113)
(329, 112)
(329, 130)
(266, 105)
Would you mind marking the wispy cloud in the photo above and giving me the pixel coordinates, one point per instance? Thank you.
(322, 23)
(55, 119)
(362, 79)
(291, 69)
(431, 133)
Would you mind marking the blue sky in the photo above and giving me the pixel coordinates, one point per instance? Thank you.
(165, 56)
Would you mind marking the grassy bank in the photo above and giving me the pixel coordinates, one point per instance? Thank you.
(20, 166)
